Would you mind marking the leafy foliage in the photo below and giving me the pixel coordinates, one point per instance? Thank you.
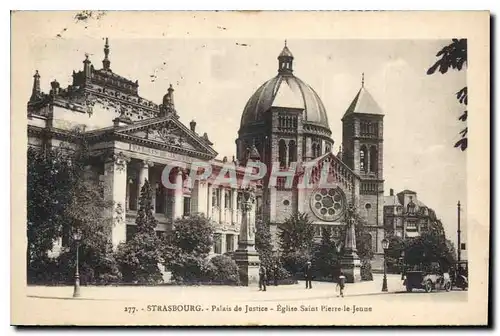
(296, 236)
(428, 248)
(140, 256)
(187, 248)
(63, 198)
(326, 260)
(263, 244)
(393, 253)
(454, 56)
(222, 269)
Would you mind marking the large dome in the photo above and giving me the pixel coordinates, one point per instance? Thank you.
(285, 90)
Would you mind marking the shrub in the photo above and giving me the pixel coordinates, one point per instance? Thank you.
(366, 270)
(222, 269)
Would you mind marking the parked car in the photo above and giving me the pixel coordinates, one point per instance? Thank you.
(460, 275)
(429, 281)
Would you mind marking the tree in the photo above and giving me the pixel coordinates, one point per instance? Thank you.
(140, 256)
(188, 247)
(296, 237)
(326, 258)
(62, 197)
(430, 248)
(454, 56)
(393, 252)
(263, 244)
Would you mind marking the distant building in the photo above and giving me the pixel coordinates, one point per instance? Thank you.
(406, 217)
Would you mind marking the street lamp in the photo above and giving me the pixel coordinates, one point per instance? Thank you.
(385, 246)
(77, 237)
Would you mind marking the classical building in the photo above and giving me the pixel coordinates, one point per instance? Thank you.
(405, 216)
(132, 139)
(283, 122)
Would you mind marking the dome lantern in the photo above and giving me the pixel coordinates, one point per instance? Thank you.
(285, 61)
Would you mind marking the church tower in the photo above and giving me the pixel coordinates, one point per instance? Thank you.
(362, 142)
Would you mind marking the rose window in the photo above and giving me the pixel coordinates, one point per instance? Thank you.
(328, 204)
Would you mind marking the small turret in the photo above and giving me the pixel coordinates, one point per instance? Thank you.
(106, 62)
(36, 92)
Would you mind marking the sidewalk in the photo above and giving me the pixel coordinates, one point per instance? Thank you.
(217, 293)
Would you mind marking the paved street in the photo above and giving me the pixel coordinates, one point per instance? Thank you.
(106, 303)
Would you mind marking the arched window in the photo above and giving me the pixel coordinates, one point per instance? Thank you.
(292, 151)
(363, 157)
(373, 159)
(282, 153)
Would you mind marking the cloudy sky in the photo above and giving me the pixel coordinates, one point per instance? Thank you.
(214, 78)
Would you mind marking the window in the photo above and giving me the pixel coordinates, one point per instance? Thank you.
(363, 157)
(229, 243)
(328, 204)
(131, 230)
(187, 206)
(292, 151)
(227, 199)
(282, 153)
(160, 198)
(373, 159)
(286, 202)
(217, 243)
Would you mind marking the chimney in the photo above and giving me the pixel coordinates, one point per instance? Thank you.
(391, 192)
(192, 125)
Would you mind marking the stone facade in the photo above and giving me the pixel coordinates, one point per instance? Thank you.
(287, 123)
(283, 124)
(405, 216)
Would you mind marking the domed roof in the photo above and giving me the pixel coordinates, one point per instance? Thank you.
(285, 90)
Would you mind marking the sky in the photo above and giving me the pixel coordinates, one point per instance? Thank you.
(214, 78)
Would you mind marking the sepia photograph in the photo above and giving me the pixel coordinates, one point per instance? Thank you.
(196, 170)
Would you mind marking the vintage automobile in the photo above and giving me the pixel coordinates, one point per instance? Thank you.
(420, 279)
(460, 275)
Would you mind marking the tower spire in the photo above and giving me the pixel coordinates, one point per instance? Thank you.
(106, 62)
(35, 92)
(363, 79)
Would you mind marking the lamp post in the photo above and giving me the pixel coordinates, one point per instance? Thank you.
(77, 236)
(385, 245)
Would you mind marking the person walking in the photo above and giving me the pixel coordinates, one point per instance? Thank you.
(341, 283)
(262, 278)
(308, 275)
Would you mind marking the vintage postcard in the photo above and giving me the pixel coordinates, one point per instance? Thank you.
(250, 168)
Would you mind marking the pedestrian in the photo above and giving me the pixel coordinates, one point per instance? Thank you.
(262, 278)
(341, 283)
(308, 275)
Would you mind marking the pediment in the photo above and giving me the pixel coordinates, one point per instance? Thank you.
(337, 171)
(167, 132)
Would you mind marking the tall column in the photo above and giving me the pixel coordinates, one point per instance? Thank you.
(223, 245)
(178, 199)
(143, 176)
(202, 195)
(221, 203)
(234, 205)
(115, 178)
(209, 201)
(246, 257)
(351, 265)
(152, 180)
